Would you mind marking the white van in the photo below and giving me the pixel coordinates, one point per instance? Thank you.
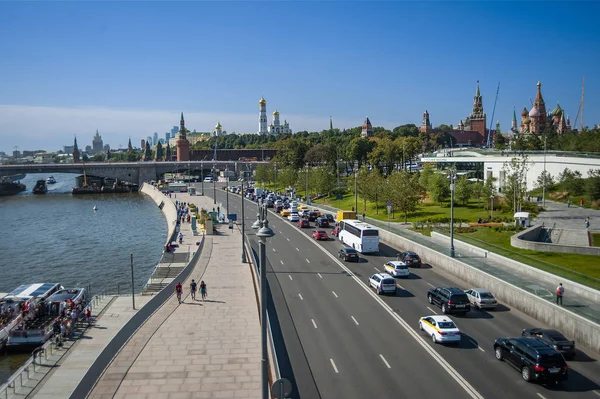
(208, 179)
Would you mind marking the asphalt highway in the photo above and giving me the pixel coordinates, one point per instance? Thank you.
(343, 340)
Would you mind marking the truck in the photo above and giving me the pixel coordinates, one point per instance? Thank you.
(341, 215)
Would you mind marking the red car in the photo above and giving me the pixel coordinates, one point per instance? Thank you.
(303, 223)
(320, 235)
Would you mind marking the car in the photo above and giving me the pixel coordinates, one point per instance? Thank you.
(335, 231)
(208, 179)
(410, 258)
(553, 338)
(303, 223)
(481, 298)
(313, 216)
(396, 269)
(383, 283)
(329, 218)
(348, 254)
(535, 360)
(441, 329)
(293, 217)
(322, 222)
(318, 212)
(449, 299)
(285, 213)
(320, 235)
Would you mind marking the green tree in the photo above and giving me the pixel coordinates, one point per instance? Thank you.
(98, 158)
(515, 189)
(287, 176)
(548, 180)
(263, 173)
(406, 192)
(322, 180)
(499, 141)
(439, 188)
(463, 190)
(426, 175)
(572, 181)
(479, 192)
(592, 185)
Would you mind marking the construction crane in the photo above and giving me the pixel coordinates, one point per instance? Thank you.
(489, 137)
(581, 106)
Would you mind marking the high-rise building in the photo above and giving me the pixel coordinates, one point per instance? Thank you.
(174, 131)
(167, 137)
(148, 141)
(97, 145)
(155, 138)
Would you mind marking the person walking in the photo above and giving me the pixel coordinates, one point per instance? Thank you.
(203, 290)
(560, 291)
(587, 222)
(180, 238)
(568, 203)
(179, 291)
(193, 287)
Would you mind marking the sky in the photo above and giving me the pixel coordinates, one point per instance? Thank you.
(128, 68)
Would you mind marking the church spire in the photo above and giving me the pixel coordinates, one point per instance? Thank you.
(129, 146)
(477, 93)
(75, 151)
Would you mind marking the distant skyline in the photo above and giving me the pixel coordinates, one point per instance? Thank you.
(129, 68)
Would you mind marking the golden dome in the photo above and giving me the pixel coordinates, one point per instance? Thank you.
(262, 101)
(275, 112)
(218, 125)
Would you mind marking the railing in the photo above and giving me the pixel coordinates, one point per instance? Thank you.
(49, 347)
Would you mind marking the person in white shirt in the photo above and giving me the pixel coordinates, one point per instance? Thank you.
(560, 291)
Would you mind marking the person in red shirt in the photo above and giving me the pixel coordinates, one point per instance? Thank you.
(179, 291)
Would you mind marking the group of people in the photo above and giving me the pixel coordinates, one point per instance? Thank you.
(193, 289)
(183, 211)
(69, 312)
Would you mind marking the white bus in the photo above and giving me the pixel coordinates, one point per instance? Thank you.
(359, 235)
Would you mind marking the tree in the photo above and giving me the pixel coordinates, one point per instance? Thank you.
(406, 192)
(572, 181)
(463, 190)
(426, 175)
(374, 191)
(499, 141)
(592, 185)
(98, 158)
(322, 180)
(263, 173)
(439, 188)
(515, 188)
(287, 176)
(548, 181)
(479, 191)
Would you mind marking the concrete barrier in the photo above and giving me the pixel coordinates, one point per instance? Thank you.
(529, 271)
(168, 208)
(528, 240)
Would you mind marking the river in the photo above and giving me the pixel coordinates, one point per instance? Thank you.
(60, 238)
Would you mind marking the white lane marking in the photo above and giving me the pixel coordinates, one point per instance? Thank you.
(431, 285)
(307, 261)
(399, 286)
(274, 250)
(596, 392)
(300, 295)
(313, 321)
(469, 389)
(280, 232)
(385, 361)
(540, 395)
(290, 276)
(297, 249)
(334, 294)
(320, 275)
(431, 310)
(356, 322)
(478, 347)
(287, 238)
(281, 262)
(333, 364)
(375, 268)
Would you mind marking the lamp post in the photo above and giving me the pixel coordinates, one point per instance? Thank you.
(492, 201)
(275, 172)
(202, 176)
(132, 287)
(227, 191)
(214, 184)
(355, 186)
(544, 186)
(263, 234)
(307, 199)
(243, 220)
(452, 185)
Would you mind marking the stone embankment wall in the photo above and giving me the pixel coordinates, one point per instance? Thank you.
(527, 239)
(167, 207)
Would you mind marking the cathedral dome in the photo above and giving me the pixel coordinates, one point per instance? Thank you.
(262, 101)
(275, 112)
(524, 112)
(527, 121)
(218, 125)
(534, 112)
(557, 111)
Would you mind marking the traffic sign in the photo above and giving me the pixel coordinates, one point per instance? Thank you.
(339, 196)
(389, 209)
(389, 203)
(282, 388)
(232, 216)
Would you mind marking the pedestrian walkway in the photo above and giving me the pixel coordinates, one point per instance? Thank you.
(196, 349)
(562, 216)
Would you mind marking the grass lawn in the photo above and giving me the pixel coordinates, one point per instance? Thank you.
(553, 262)
(424, 213)
(596, 239)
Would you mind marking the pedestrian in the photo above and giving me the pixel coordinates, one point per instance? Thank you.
(568, 203)
(88, 316)
(203, 290)
(179, 291)
(587, 222)
(560, 291)
(180, 238)
(581, 202)
(193, 287)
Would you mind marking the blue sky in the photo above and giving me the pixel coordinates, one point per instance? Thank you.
(129, 68)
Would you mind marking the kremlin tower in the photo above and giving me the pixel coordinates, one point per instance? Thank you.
(182, 143)
(478, 117)
(75, 151)
(367, 128)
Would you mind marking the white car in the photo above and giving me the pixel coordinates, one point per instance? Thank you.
(293, 217)
(440, 328)
(383, 283)
(208, 179)
(481, 298)
(396, 269)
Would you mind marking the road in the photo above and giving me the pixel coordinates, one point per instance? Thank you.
(342, 340)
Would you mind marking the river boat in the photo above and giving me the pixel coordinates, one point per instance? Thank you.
(40, 187)
(51, 180)
(38, 327)
(25, 297)
(10, 187)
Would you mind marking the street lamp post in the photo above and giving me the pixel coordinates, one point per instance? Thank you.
(307, 199)
(544, 186)
(227, 191)
(355, 186)
(202, 176)
(452, 185)
(263, 234)
(492, 201)
(243, 220)
(132, 286)
(214, 184)
(275, 170)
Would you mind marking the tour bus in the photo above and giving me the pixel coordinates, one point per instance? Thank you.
(359, 235)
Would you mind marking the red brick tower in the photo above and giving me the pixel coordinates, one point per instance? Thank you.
(182, 143)
(478, 117)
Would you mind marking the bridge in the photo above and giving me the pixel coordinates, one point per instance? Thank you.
(134, 172)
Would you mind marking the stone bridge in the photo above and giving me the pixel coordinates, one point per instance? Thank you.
(134, 172)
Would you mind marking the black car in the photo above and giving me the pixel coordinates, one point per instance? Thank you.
(322, 222)
(348, 254)
(409, 258)
(553, 338)
(312, 216)
(449, 299)
(535, 360)
(329, 218)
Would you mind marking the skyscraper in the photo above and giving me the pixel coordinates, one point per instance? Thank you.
(97, 145)
(155, 141)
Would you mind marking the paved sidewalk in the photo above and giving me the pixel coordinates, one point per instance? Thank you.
(571, 218)
(196, 349)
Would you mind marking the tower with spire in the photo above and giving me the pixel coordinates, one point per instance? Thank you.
(367, 128)
(182, 143)
(426, 123)
(262, 116)
(159, 155)
(75, 151)
(478, 118)
(97, 144)
(218, 130)
(129, 146)
(513, 127)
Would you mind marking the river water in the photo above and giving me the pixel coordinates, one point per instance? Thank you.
(59, 238)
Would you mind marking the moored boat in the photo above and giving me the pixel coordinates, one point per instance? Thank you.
(40, 187)
(50, 180)
(10, 187)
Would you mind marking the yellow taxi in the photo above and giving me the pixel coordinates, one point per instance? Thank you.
(285, 212)
(440, 328)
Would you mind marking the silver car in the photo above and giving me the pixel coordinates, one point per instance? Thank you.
(481, 298)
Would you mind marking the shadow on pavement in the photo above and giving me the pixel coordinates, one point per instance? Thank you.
(576, 383)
